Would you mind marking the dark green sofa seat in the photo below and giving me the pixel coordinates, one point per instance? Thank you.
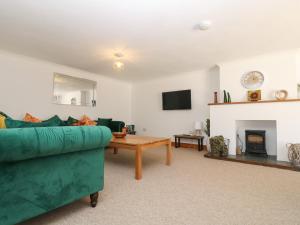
(47, 167)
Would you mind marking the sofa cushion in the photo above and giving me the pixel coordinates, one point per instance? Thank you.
(52, 122)
(2, 122)
(29, 118)
(117, 126)
(104, 122)
(86, 121)
(20, 144)
(70, 121)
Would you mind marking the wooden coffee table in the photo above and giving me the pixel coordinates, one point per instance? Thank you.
(139, 144)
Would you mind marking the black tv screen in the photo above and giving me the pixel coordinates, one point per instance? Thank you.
(177, 100)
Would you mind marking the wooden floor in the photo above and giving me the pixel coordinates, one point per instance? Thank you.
(269, 161)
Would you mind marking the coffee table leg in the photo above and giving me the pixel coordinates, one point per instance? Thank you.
(115, 150)
(169, 153)
(138, 163)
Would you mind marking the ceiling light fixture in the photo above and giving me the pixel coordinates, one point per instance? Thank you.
(118, 55)
(119, 66)
(203, 25)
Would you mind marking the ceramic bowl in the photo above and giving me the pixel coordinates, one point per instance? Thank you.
(119, 134)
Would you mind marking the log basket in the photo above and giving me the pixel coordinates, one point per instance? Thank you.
(294, 154)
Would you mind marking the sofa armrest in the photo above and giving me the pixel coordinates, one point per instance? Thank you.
(27, 143)
(117, 126)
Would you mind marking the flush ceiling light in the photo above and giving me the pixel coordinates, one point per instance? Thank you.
(118, 66)
(203, 25)
(118, 55)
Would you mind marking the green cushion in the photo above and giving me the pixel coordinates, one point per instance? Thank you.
(52, 122)
(20, 144)
(70, 121)
(104, 122)
(117, 126)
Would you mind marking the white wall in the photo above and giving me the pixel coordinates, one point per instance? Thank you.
(279, 69)
(148, 115)
(27, 86)
(298, 65)
(298, 70)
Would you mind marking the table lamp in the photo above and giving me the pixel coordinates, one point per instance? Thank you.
(197, 128)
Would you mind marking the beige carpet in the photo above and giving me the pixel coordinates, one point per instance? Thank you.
(194, 190)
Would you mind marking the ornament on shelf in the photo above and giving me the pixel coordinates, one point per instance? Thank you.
(254, 96)
(215, 97)
(227, 97)
(281, 95)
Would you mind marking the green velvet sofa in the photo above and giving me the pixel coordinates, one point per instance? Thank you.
(43, 168)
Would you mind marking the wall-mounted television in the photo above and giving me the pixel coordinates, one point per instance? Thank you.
(177, 100)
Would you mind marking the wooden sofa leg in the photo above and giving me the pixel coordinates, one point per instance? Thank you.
(94, 199)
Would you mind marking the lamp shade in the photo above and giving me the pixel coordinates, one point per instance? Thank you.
(197, 125)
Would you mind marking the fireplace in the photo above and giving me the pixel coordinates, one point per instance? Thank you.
(256, 142)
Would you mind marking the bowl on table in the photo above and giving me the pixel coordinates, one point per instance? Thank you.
(119, 134)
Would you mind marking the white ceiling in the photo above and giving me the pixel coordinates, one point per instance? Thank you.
(156, 36)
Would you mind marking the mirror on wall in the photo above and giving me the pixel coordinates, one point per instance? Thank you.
(68, 90)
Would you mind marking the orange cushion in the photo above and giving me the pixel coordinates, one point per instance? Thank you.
(30, 118)
(2, 122)
(86, 121)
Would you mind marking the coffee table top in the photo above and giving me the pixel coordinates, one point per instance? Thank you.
(137, 140)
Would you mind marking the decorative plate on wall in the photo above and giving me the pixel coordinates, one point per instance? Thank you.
(252, 80)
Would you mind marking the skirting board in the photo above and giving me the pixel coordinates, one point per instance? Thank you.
(188, 145)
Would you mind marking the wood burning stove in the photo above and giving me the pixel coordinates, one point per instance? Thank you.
(256, 142)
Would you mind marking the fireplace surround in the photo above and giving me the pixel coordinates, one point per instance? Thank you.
(285, 114)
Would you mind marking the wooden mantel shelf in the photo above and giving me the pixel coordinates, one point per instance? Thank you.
(258, 102)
